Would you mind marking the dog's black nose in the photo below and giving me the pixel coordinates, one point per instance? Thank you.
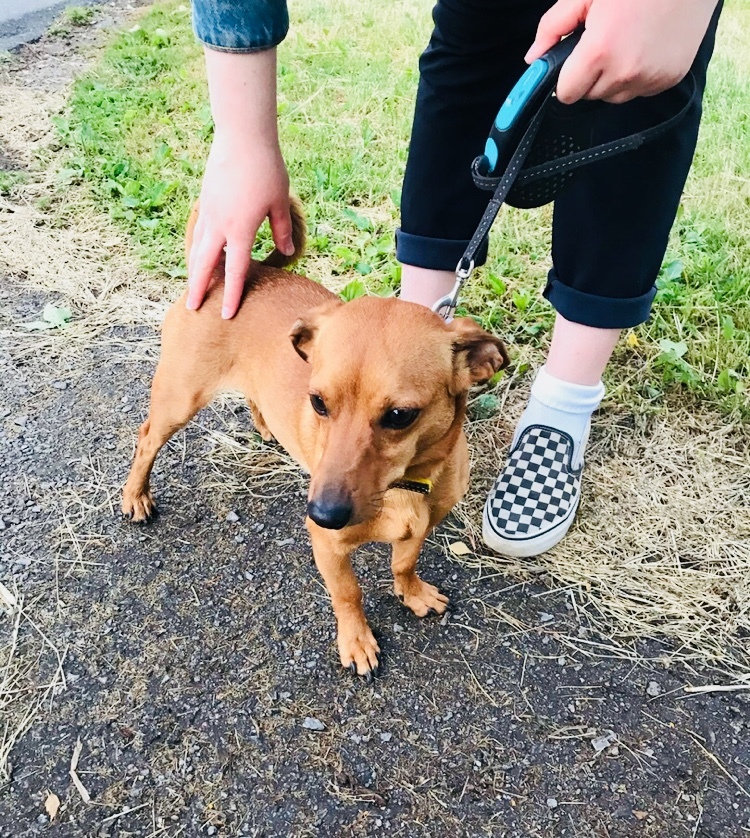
(333, 514)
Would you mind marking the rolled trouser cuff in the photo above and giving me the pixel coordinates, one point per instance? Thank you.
(251, 26)
(434, 254)
(599, 312)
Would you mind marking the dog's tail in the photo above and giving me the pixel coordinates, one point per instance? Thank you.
(276, 259)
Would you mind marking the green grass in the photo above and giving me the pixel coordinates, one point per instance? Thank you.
(71, 17)
(9, 181)
(138, 128)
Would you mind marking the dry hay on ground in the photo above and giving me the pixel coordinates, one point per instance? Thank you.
(661, 546)
(54, 239)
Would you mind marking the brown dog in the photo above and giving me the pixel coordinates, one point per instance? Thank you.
(368, 396)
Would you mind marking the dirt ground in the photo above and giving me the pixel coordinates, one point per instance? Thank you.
(194, 659)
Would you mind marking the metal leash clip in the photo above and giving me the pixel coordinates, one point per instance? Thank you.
(446, 306)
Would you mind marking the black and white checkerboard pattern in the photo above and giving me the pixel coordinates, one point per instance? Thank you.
(538, 488)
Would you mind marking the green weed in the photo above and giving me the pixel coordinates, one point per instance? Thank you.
(9, 180)
(79, 15)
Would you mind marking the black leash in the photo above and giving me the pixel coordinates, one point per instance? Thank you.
(446, 306)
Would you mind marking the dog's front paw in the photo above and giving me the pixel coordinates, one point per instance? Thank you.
(139, 508)
(420, 597)
(358, 649)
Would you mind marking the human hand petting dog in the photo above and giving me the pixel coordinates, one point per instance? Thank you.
(629, 49)
(245, 179)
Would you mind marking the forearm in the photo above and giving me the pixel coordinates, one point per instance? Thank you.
(242, 89)
(245, 179)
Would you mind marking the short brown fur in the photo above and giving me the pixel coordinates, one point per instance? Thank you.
(292, 337)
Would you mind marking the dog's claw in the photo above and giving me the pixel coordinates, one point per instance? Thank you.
(368, 676)
(353, 668)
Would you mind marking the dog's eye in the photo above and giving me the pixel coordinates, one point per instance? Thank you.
(318, 405)
(399, 418)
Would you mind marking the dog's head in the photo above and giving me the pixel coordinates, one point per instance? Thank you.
(388, 384)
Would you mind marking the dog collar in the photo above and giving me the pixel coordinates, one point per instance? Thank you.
(422, 486)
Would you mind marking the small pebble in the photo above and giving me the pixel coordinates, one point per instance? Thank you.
(386, 737)
(232, 517)
(601, 743)
(397, 629)
(313, 724)
(653, 689)
(551, 803)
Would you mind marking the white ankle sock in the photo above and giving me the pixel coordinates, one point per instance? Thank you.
(562, 405)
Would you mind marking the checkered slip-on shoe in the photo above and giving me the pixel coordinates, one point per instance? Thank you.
(535, 498)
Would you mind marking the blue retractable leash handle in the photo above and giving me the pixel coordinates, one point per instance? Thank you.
(512, 135)
(511, 126)
(528, 93)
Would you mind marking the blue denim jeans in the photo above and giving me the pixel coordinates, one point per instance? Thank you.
(248, 26)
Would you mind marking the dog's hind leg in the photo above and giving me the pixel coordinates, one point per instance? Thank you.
(174, 402)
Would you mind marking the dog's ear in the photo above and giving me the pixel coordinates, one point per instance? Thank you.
(477, 354)
(303, 331)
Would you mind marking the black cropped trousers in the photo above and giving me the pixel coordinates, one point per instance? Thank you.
(612, 221)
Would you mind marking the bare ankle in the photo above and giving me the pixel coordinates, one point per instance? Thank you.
(425, 286)
(578, 354)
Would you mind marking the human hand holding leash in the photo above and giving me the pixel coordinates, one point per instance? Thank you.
(637, 48)
(245, 179)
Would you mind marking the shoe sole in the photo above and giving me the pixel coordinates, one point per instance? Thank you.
(530, 547)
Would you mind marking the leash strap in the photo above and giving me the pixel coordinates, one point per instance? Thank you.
(600, 152)
(446, 305)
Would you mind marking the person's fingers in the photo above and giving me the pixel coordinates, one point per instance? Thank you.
(281, 228)
(614, 94)
(555, 24)
(203, 263)
(198, 233)
(580, 72)
(235, 272)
